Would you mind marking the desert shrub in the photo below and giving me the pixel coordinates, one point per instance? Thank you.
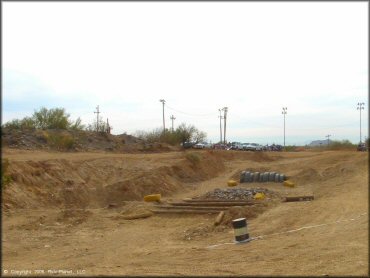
(25, 123)
(5, 178)
(341, 145)
(101, 127)
(183, 133)
(294, 148)
(194, 158)
(60, 141)
(55, 118)
(76, 125)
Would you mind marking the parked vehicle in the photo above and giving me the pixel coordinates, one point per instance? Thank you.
(219, 146)
(188, 145)
(202, 145)
(235, 145)
(253, 147)
(361, 147)
(276, 148)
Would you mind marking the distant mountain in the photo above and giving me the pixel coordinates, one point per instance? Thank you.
(318, 143)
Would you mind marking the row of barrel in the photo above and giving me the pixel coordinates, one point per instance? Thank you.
(247, 176)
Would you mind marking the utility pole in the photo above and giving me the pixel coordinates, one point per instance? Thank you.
(172, 118)
(284, 112)
(225, 113)
(164, 125)
(220, 125)
(328, 136)
(360, 106)
(108, 127)
(97, 118)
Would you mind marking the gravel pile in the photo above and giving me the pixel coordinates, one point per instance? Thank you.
(234, 194)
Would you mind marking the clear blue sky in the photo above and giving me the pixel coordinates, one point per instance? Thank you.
(254, 58)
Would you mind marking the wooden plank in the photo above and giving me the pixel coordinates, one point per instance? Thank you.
(224, 203)
(191, 207)
(299, 198)
(215, 200)
(185, 211)
(219, 218)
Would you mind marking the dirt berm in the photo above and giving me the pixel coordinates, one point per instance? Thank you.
(99, 179)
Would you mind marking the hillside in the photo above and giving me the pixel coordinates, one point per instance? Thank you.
(76, 141)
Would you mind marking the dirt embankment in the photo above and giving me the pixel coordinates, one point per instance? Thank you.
(98, 181)
(77, 141)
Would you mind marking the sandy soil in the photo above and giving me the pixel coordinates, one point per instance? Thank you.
(79, 235)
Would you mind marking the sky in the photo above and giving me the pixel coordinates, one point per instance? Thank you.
(253, 57)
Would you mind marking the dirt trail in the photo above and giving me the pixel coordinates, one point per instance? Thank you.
(100, 242)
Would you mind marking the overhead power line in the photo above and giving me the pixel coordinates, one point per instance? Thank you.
(189, 114)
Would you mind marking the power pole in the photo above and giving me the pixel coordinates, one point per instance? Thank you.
(284, 112)
(328, 136)
(225, 113)
(220, 125)
(164, 125)
(108, 127)
(172, 118)
(97, 118)
(360, 106)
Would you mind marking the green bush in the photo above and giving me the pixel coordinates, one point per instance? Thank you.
(194, 158)
(60, 141)
(183, 133)
(44, 118)
(5, 178)
(341, 145)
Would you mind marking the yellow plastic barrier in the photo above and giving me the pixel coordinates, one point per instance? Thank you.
(152, 198)
(259, 196)
(231, 183)
(288, 183)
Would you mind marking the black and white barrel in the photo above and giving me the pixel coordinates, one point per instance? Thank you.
(240, 230)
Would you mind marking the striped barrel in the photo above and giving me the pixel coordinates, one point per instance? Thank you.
(242, 177)
(240, 229)
(272, 176)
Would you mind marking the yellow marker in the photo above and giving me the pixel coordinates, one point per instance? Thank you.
(232, 183)
(259, 196)
(288, 183)
(152, 197)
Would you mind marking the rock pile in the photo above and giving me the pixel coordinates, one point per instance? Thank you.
(247, 176)
(234, 193)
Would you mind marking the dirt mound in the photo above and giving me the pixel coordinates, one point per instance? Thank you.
(76, 141)
(92, 183)
(246, 155)
(73, 217)
(307, 175)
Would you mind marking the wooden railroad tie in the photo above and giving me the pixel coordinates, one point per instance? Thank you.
(299, 198)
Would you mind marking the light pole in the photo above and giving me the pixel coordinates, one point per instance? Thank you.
(284, 112)
(220, 125)
(328, 138)
(225, 113)
(172, 118)
(360, 106)
(164, 126)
